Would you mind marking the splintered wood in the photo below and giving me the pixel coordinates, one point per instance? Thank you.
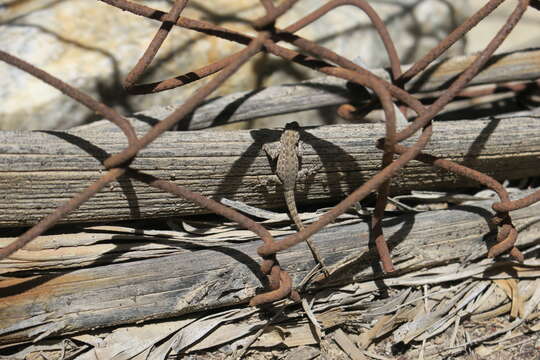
(130, 275)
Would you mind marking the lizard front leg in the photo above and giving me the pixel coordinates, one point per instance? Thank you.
(272, 150)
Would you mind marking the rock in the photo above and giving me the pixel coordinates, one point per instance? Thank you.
(92, 46)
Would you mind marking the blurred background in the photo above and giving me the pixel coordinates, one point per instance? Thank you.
(92, 46)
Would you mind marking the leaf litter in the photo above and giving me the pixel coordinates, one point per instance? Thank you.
(486, 308)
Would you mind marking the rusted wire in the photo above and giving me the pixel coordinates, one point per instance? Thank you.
(383, 191)
(377, 22)
(272, 13)
(467, 74)
(184, 22)
(285, 289)
(187, 23)
(190, 104)
(269, 267)
(506, 237)
(168, 21)
(450, 40)
(327, 62)
(61, 212)
(353, 198)
(224, 33)
(348, 112)
(75, 94)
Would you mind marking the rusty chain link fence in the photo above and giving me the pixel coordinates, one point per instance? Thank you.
(321, 59)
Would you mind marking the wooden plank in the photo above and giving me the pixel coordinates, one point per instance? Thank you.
(147, 277)
(41, 170)
(329, 91)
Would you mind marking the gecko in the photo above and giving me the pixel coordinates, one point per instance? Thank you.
(288, 154)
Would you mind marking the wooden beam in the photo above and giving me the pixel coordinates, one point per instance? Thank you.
(41, 170)
(519, 65)
(108, 277)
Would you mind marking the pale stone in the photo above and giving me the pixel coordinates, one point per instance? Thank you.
(92, 46)
(524, 35)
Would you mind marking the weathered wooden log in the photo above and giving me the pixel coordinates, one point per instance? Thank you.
(41, 170)
(520, 65)
(132, 278)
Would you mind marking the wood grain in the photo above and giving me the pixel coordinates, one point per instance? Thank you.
(40, 170)
(520, 65)
(106, 278)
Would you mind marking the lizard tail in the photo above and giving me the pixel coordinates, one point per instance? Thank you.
(291, 205)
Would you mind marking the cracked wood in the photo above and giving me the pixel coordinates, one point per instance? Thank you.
(40, 170)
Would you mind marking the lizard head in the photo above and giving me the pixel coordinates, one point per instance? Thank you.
(291, 131)
(292, 126)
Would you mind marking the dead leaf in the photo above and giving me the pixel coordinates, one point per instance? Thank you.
(346, 344)
(510, 287)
